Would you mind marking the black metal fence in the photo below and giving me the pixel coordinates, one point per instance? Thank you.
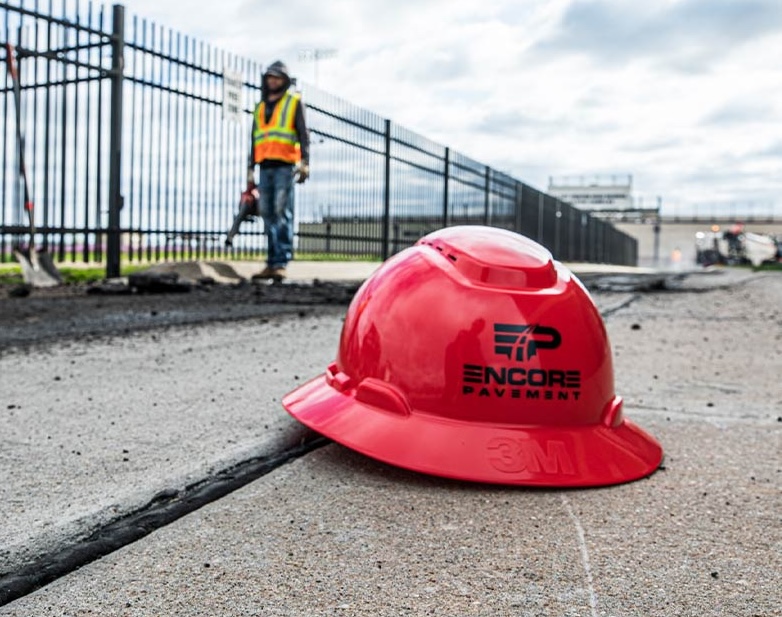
(135, 152)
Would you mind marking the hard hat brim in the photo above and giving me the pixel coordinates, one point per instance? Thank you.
(566, 456)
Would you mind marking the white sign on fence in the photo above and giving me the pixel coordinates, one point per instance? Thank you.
(232, 96)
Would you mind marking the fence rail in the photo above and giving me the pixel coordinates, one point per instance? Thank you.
(131, 156)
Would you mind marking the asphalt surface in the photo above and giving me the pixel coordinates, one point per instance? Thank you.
(79, 312)
(99, 425)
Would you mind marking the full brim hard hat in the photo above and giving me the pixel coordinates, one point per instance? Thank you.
(531, 456)
(417, 378)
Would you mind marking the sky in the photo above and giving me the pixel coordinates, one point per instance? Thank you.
(684, 95)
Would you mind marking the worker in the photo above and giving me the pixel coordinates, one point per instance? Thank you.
(280, 149)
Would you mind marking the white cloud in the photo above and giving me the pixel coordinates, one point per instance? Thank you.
(683, 94)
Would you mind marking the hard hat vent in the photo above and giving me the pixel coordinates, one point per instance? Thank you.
(506, 260)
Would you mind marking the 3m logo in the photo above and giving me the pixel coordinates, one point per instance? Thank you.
(520, 342)
(523, 455)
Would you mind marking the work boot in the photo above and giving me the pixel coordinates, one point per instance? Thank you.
(278, 274)
(266, 273)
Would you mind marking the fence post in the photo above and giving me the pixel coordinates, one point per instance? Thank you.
(540, 218)
(446, 178)
(486, 189)
(583, 236)
(387, 193)
(519, 204)
(115, 141)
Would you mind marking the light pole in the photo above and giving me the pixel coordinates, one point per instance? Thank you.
(313, 55)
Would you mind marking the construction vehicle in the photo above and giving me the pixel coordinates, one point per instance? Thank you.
(736, 246)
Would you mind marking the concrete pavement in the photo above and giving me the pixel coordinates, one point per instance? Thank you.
(335, 533)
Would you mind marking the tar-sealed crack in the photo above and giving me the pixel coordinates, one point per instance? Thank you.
(163, 509)
(608, 311)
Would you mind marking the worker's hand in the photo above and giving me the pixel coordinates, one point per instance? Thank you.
(250, 186)
(302, 172)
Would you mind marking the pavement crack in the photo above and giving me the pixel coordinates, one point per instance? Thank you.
(610, 310)
(163, 508)
(584, 555)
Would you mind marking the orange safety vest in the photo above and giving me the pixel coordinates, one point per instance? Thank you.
(277, 139)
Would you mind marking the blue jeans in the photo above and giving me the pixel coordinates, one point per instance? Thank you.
(275, 187)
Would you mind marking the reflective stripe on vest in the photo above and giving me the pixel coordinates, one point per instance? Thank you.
(277, 139)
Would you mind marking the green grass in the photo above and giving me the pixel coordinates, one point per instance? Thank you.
(11, 277)
(11, 271)
(331, 257)
(11, 274)
(768, 267)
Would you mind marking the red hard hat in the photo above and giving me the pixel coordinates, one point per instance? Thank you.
(474, 355)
